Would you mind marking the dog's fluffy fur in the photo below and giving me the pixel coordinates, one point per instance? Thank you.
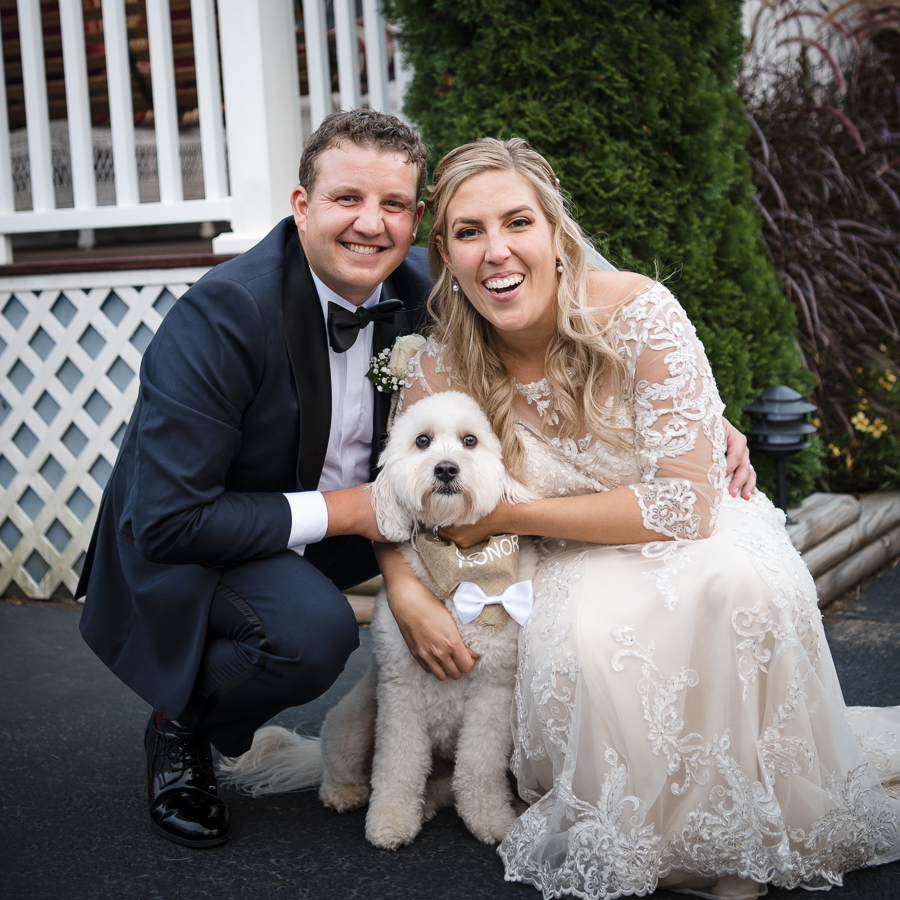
(387, 758)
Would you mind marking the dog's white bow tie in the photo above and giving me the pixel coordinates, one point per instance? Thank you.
(517, 600)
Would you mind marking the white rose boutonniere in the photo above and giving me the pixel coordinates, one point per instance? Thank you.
(387, 369)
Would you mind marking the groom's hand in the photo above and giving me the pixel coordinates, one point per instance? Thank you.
(430, 633)
(737, 462)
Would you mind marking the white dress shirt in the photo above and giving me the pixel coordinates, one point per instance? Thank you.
(350, 437)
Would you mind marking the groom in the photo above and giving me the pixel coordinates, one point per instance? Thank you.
(235, 514)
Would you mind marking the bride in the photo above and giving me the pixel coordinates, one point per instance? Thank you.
(678, 720)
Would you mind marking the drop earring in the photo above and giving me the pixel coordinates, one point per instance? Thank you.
(559, 266)
(455, 284)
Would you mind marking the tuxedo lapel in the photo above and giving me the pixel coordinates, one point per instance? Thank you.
(307, 347)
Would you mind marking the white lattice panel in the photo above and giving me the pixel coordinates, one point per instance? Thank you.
(70, 353)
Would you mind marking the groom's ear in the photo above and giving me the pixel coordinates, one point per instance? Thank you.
(420, 211)
(300, 207)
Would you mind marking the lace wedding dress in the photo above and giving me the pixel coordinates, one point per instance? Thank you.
(678, 719)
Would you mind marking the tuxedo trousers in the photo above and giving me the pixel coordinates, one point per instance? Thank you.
(280, 632)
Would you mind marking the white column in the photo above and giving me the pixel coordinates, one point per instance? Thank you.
(37, 114)
(209, 99)
(376, 57)
(7, 198)
(318, 71)
(165, 108)
(347, 53)
(262, 115)
(403, 74)
(121, 110)
(78, 104)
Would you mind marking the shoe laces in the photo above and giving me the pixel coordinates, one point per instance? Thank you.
(189, 750)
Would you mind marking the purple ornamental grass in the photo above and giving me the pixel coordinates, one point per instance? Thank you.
(824, 110)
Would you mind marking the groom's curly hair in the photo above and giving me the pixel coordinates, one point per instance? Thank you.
(365, 128)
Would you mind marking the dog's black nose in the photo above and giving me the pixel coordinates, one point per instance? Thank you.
(446, 471)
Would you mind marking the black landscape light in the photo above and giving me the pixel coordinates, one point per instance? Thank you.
(779, 430)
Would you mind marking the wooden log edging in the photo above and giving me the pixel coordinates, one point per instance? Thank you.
(878, 514)
(855, 568)
(820, 517)
(843, 540)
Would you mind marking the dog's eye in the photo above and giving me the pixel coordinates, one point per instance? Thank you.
(470, 441)
(422, 441)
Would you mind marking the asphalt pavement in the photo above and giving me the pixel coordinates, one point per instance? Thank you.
(73, 817)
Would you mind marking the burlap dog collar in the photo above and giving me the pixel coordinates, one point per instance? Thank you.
(492, 564)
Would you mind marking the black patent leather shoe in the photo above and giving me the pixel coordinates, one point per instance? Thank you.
(182, 788)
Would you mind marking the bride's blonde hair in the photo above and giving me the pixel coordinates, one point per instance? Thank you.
(580, 356)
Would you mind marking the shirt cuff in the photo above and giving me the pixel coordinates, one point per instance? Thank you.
(309, 519)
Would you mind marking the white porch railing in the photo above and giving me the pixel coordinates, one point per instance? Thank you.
(265, 118)
(71, 344)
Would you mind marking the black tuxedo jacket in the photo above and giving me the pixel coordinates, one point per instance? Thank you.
(234, 410)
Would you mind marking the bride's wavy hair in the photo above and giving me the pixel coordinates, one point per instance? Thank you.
(580, 357)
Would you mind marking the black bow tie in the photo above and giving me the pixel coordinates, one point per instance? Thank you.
(344, 326)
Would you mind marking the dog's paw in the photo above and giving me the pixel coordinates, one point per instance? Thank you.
(344, 797)
(392, 828)
(490, 825)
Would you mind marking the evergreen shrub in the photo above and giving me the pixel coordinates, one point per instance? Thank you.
(633, 103)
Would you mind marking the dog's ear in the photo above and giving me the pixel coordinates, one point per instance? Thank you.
(516, 492)
(394, 522)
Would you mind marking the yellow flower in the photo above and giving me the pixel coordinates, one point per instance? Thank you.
(882, 348)
(859, 369)
(877, 428)
(891, 377)
(863, 404)
(849, 461)
(835, 451)
(815, 420)
(860, 421)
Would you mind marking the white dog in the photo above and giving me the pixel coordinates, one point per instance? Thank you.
(442, 466)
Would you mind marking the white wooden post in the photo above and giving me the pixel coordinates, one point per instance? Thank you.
(7, 198)
(37, 114)
(318, 72)
(347, 53)
(262, 115)
(376, 57)
(402, 76)
(209, 99)
(165, 108)
(121, 110)
(78, 104)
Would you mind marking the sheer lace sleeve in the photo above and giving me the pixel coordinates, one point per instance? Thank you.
(426, 375)
(678, 418)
